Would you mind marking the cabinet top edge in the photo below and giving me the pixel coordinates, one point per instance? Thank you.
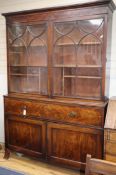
(71, 102)
(110, 3)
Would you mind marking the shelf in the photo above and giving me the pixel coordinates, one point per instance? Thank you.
(89, 77)
(70, 76)
(61, 44)
(26, 66)
(35, 75)
(80, 66)
(85, 77)
(18, 74)
(11, 52)
(70, 66)
(66, 76)
(89, 66)
(61, 66)
(17, 46)
(18, 66)
(86, 43)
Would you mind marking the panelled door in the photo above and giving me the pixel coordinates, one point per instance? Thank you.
(26, 135)
(70, 144)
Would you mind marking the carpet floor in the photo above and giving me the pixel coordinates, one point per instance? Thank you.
(6, 171)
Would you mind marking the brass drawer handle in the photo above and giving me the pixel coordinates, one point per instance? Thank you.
(72, 114)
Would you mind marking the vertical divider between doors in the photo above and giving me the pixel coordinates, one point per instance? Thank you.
(46, 141)
(50, 51)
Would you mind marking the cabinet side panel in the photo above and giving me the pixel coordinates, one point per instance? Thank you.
(108, 53)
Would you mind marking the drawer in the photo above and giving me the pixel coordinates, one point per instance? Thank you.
(110, 144)
(110, 148)
(47, 110)
(111, 158)
(110, 135)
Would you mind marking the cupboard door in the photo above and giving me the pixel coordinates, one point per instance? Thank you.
(25, 136)
(69, 145)
(27, 51)
(77, 58)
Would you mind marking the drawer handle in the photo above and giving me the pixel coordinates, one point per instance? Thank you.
(72, 114)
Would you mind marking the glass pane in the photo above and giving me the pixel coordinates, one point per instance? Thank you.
(88, 87)
(37, 29)
(64, 81)
(37, 53)
(64, 56)
(64, 28)
(89, 51)
(18, 83)
(18, 53)
(43, 81)
(33, 70)
(69, 86)
(18, 70)
(38, 45)
(90, 71)
(37, 80)
(70, 30)
(66, 36)
(58, 81)
(15, 31)
(90, 26)
(70, 71)
(32, 84)
(90, 46)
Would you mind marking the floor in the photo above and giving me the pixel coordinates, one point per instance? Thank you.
(33, 167)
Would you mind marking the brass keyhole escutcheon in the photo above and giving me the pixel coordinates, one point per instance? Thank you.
(24, 111)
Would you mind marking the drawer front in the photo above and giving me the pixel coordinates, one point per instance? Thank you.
(110, 148)
(110, 135)
(111, 158)
(81, 114)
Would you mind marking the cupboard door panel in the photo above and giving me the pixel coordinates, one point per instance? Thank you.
(25, 135)
(70, 144)
(77, 58)
(27, 51)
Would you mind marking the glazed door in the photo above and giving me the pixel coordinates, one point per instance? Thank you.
(27, 52)
(78, 58)
(25, 135)
(70, 144)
